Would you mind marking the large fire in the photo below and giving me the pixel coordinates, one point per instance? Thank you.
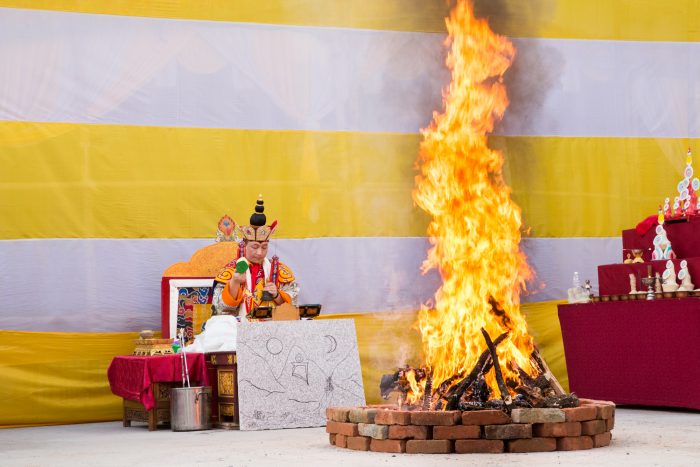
(475, 227)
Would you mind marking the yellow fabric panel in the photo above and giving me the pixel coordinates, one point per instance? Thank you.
(591, 187)
(649, 20)
(400, 15)
(121, 181)
(50, 378)
(116, 181)
(53, 378)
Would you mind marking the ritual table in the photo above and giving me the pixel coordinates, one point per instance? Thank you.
(635, 352)
(684, 236)
(613, 279)
(144, 384)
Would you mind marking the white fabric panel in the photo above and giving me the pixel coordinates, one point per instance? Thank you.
(560, 87)
(555, 260)
(70, 67)
(83, 68)
(108, 285)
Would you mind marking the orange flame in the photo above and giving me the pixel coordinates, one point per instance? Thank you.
(475, 227)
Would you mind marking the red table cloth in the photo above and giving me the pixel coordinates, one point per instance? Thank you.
(131, 377)
(638, 352)
(614, 279)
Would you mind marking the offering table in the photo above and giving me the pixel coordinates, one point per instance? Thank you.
(144, 384)
(642, 352)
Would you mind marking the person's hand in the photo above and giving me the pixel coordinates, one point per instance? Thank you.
(236, 281)
(271, 288)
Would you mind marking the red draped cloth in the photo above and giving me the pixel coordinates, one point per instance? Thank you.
(131, 377)
(634, 352)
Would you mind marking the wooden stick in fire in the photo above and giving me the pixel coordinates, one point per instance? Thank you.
(482, 366)
(558, 389)
(505, 394)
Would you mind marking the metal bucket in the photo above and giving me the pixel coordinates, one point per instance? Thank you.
(190, 408)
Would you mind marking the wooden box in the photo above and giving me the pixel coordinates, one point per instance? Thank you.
(222, 369)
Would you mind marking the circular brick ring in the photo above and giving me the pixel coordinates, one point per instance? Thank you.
(387, 429)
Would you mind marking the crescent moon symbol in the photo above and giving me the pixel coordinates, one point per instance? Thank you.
(332, 343)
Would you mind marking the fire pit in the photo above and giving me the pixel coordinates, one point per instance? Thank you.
(482, 386)
(388, 429)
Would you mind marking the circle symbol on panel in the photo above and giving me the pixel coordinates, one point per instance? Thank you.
(659, 229)
(274, 346)
(696, 184)
(688, 171)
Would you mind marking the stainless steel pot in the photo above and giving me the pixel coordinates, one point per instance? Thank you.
(190, 408)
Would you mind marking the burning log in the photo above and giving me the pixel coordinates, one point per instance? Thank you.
(554, 383)
(427, 396)
(483, 365)
(505, 394)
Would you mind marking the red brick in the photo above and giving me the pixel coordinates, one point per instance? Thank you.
(581, 414)
(429, 446)
(574, 443)
(358, 443)
(457, 432)
(341, 441)
(556, 430)
(347, 429)
(392, 417)
(605, 411)
(603, 439)
(472, 446)
(433, 418)
(593, 427)
(609, 424)
(331, 438)
(532, 445)
(511, 431)
(485, 417)
(387, 445)
(337, 414)
(408, 432)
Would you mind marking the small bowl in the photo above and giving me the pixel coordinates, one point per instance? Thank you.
(605, 298)
(614, 298)
(658, 295)
(668, 294)
(624, 296)
(682, 293)
(595, 298)
(146, 334)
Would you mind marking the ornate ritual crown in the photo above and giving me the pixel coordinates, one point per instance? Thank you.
(257, 231)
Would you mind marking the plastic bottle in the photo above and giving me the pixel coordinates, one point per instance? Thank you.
(577, 281)
(176, 345)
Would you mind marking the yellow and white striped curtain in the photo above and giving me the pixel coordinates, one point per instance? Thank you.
(128, 128)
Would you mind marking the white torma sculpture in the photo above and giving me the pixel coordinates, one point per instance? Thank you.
(669, 278)
(684, 276)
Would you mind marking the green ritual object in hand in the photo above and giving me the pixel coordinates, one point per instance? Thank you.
(241, 267)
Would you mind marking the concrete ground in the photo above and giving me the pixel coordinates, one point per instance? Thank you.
(641, 437)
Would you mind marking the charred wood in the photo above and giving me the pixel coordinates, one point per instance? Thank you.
(559, 391)
(505, 394)
(483, 365)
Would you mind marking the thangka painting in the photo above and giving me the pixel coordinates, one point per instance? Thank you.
(289, 372)
(190, 305)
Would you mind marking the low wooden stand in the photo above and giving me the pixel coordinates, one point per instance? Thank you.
(135, 411)
(222, 369)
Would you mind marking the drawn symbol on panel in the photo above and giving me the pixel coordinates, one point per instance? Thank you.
(332, 343)
(274, 345)
(300, 368)
(329, 384)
